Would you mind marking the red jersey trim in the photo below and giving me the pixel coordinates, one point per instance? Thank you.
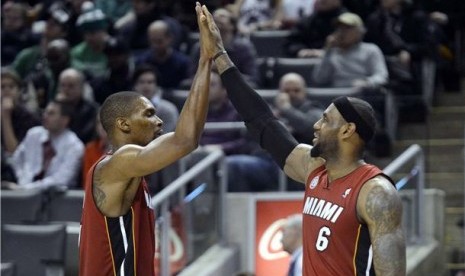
(134, 242)
(356, 249)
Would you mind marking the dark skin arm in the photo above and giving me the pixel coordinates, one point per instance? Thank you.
(116, 178)
(380, 207)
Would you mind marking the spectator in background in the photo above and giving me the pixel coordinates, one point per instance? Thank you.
(292, 243)
(16, 119)
(71, 90)
(118, 76)
(94, 149)
(221, 110)
(295, 109)
(349, 62)
(16, 34)
(50, 154)
(250, 168)
(172, 65)
(43, 79)
(241, 50)
(404, 36)
(115, 9)
(145, 83)
(32, 58)
(134, 25)
(88, 55)
(307, 38)
(255, 15)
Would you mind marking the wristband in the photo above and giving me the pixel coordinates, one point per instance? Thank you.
(220, 53)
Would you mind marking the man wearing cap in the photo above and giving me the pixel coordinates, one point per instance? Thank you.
(352, 212)
(88, 56)
(349, 62)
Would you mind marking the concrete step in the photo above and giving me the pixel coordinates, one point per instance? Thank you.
(433, 129)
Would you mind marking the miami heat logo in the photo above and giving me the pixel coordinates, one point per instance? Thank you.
(314, 182)
(270, 247)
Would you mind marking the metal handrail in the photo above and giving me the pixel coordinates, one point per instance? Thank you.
(414, 152)
(162, 199)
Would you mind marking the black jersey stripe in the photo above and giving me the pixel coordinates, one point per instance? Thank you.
(118, 237)
(363, 258)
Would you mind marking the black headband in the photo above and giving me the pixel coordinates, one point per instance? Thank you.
(351, 115)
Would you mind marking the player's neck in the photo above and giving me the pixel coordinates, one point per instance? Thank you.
(340, 169)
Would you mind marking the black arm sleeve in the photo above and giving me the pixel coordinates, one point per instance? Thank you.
(266, 129)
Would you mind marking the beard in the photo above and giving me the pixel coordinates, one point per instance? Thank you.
(315, 151)
(325, 149)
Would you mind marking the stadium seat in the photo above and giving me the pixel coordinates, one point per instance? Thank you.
(270, 43)
(65, 206)
(302, 66)
(34, 249)
(21, 206)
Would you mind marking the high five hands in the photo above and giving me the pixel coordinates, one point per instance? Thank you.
(211, 43)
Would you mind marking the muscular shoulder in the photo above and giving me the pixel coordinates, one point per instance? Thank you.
(379, 203)
(299, 163)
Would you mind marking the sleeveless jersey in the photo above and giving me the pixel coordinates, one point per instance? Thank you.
(122, 245)
(335, 242)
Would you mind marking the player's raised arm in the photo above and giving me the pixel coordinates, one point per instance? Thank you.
(264, 127)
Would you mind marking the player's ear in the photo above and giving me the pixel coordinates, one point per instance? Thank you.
(348, 129)
(123, 124)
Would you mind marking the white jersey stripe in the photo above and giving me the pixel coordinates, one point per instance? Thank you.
(125, 242)
(369, 262)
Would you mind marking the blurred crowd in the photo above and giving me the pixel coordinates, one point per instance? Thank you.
(62, 58)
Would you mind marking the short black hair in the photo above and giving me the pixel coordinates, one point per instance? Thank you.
(120, 104)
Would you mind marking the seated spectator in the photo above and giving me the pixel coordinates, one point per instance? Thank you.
(16, 34)
(220, 109)
(16, 119)
(114, 10)
(249, 168)
(134, 25)
(88, 55)
(349, 62)
(50, 155)
(32, 58)
(307, 38)
(254, 15)
(95, 149)
(295, 109)
(119, 73)
(71, 90)
(172, 65)
(145, 83)
(240, 50)
(403, 35)
(43, 79)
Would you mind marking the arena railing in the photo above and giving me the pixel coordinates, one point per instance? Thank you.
(410, 165)
(176, 193)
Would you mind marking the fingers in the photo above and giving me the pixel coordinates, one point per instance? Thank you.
(207, 13)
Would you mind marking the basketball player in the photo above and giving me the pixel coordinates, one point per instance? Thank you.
(352, 211)
(117, 232)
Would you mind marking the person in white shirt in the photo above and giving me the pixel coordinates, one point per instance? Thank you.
(292, 243)
(50, 155)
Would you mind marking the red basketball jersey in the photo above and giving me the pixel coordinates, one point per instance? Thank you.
(335, 243)
(107, 246)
